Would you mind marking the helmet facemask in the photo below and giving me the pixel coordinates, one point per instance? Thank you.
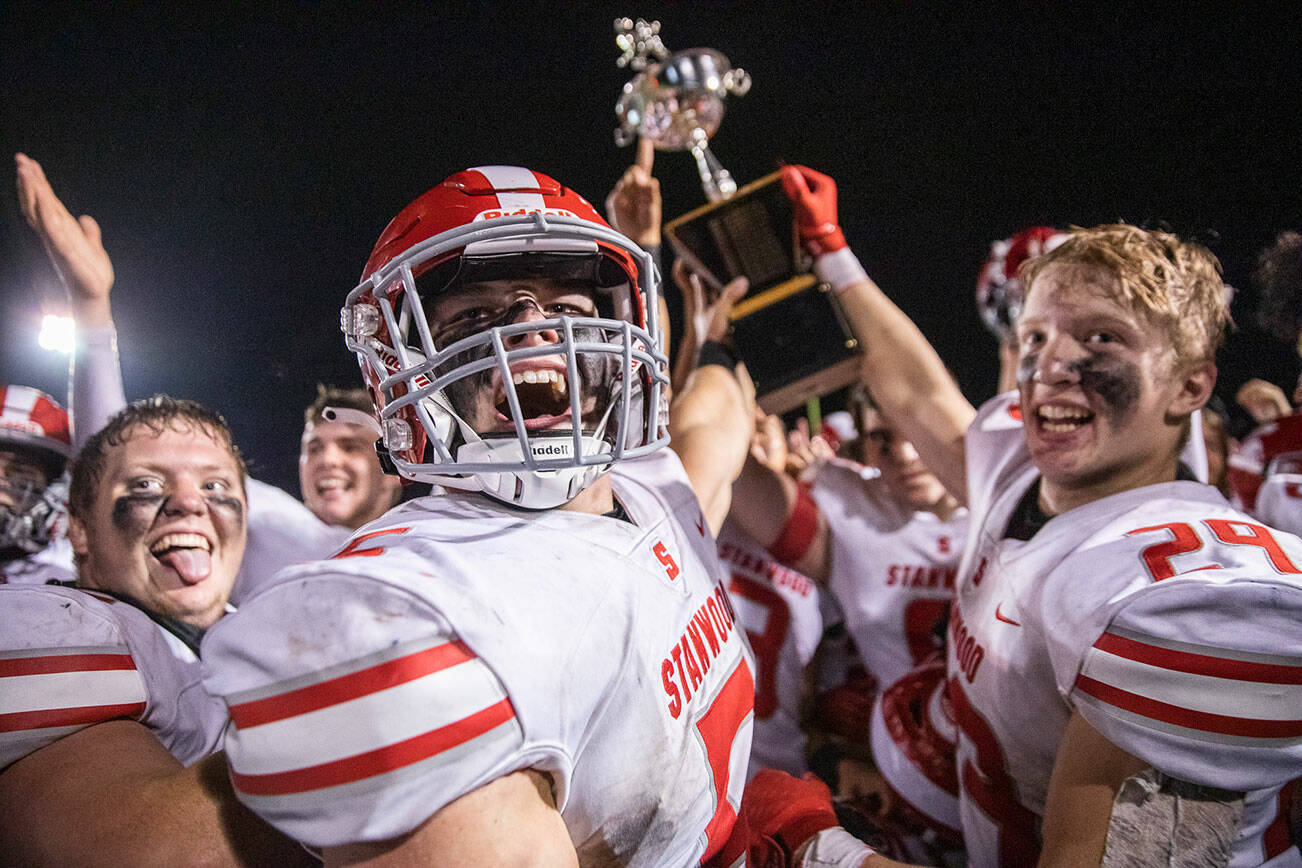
(483, 397)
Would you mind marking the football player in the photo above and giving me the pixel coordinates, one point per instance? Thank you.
(540, 665)
(885, 537)
(1117, 628)
(35, 442)
(107, 739)
(341, 478)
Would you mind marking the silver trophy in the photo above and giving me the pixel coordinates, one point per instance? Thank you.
(788, 328)
(676, 100)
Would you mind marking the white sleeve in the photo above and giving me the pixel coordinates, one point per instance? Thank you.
(70, 659)
(96, 393)
(1202, 679)
(282, 532)
(356, 711)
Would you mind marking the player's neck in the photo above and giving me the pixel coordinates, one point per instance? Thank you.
(596, 499)
(1059, 497)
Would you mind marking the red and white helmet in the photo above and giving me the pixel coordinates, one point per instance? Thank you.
(33, 423)
(492, 223)
(999, 290)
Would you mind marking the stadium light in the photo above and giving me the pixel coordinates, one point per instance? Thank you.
(57, 333)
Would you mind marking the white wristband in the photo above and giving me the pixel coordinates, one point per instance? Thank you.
(840, 269)
(835, 848)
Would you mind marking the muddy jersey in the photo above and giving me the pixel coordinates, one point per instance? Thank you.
(892, 569)
(455, 640)
(70, 659)
(52, 565)
(1171, 621)
(282, 532)
(779, 610)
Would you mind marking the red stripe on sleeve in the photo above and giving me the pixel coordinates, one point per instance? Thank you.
(379, 761)
(351, 686)
(1199, 664)
(1222, 724)
(798, 535)
(53, 663)
(18, 721)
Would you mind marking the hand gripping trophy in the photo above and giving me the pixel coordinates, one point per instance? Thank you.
(781, 328)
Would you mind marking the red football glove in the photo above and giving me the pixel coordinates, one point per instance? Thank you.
(814, 196)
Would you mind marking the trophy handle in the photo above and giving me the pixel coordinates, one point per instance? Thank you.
(716, 180)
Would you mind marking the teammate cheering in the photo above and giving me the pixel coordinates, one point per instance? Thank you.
(539, 666)
(1112, 621)
(100, 701)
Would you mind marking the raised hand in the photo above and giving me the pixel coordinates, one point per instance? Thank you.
(633, 207)
(72, 243)
(814, 196)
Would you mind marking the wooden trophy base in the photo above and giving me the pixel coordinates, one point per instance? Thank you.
(788, 328)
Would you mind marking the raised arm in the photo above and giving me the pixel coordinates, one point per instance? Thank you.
(901, 369)
(710, 417)
(78, 255)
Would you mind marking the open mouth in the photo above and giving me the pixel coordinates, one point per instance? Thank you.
(544, 397)
(331, 485)
(189, 554)
(1062, 419)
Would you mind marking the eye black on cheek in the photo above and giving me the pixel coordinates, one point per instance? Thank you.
(1026, 366)
(136, 509)
(230, 504)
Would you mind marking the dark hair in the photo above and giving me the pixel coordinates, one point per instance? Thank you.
(333, 396)
(158, 414)
(1279, 280)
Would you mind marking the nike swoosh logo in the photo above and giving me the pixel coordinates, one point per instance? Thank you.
(999, 616)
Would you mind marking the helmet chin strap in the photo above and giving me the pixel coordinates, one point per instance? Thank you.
(531, 489)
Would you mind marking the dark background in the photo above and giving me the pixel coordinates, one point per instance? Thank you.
(243, 158)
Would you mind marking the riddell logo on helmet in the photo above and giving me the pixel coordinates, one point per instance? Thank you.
(495, 213)
(543, 450)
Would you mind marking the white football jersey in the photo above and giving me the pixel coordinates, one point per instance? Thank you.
(892, 569)
(779, 609)
(282, 532)
(52, 565)
(70, 659)
(1170, 620)
(456, 640)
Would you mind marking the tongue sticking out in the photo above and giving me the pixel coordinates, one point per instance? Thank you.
(192, 565)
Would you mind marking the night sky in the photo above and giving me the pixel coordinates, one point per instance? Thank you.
(242, 159)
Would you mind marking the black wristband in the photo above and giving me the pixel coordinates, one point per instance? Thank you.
(716, 353)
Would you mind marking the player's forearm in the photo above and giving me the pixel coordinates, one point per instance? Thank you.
(909, 381)
(709, 428)
(96, 392)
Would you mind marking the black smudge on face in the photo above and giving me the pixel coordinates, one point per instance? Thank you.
(230, 504)
(1026, 366)
(1116, 382)
(137, 512)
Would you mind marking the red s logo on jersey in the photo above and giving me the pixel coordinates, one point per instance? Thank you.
(666, 559)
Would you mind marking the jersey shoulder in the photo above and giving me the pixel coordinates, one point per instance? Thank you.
(70, 659)
(357, 710)
(1186, 654)
(995, 449)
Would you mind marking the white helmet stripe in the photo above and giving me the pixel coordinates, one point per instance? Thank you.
(506, 177)
(19, 401)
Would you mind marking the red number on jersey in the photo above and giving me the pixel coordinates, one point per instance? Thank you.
(923, 628)
(988, 784)
(718, 726)
(1185, 539)
(766, 639)
(354, 548)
